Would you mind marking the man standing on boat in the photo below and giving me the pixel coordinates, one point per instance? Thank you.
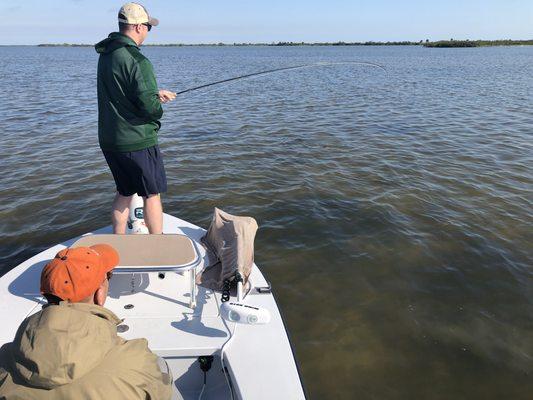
(129, 110)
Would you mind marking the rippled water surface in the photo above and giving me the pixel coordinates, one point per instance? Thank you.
(395, 208)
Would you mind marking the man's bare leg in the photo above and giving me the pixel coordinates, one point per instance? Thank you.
(153, 213)
(120, 213)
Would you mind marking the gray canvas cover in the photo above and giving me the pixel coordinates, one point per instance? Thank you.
(230, 246)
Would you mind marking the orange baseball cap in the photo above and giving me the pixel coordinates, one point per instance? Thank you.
(76, 273)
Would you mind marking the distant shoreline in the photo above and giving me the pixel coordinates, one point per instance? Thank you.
(478, 43)
(427, 43)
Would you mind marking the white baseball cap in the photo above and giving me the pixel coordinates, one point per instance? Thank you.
(133, 13)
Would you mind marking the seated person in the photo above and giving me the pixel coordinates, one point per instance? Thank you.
(70, 349)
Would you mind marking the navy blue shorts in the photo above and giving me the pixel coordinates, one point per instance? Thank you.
(140, 172)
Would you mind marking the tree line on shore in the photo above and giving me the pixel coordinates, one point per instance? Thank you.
(478, 43)
(426, 43)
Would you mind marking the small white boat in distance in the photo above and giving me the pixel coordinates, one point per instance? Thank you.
(159, 300)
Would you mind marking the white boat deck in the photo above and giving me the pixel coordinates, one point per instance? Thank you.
(161, 313)
(259, 357)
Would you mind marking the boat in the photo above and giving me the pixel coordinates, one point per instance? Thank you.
(216, 349)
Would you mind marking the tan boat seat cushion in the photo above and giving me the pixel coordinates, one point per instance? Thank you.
(146, 250)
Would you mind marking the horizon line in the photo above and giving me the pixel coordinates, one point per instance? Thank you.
(289, 43)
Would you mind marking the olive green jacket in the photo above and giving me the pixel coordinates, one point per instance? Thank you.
(129, 109)
(72, 351)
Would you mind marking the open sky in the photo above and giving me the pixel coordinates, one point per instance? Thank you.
(228, 21)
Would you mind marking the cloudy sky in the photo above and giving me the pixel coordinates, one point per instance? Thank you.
(208, 21)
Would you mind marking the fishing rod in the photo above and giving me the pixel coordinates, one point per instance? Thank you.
(317, 64)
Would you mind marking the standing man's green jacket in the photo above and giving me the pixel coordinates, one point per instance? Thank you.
(72, 351)
(129, 108)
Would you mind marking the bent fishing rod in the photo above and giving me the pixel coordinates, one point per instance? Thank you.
(269, 71)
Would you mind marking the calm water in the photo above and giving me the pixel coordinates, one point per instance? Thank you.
(395, 208)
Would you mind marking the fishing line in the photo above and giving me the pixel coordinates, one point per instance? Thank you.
(269, 71)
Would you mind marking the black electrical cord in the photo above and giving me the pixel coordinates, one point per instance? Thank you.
(205, 365)
(228, 284)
